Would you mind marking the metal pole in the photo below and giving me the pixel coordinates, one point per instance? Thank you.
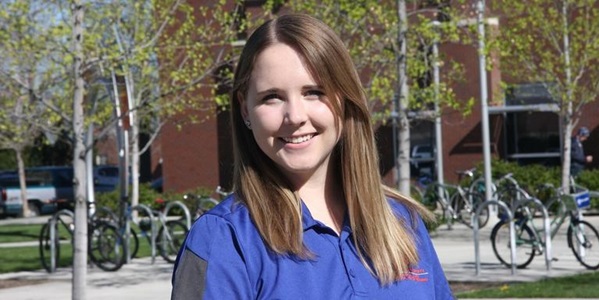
(438, 128)
(484, 107)
(475, 231)
(53, 243)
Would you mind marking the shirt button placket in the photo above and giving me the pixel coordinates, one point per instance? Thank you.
(349, 262)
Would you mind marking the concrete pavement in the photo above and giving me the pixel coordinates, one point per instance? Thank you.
(143, 280)
(139, 280)
(456, 252)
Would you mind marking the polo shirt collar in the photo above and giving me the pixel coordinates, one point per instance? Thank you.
(309, 222)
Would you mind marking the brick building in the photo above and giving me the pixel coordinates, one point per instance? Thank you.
(200, 155)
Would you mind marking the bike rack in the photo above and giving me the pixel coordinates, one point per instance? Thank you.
(148, 211)
(546, 226)
(53, 236)
(180, 204)
(512, 233)
(103, 210)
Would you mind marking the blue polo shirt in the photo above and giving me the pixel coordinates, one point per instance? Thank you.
(224, 257)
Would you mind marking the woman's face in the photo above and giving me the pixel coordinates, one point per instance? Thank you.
(290, 116)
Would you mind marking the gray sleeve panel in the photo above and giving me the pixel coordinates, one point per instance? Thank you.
(190, 277)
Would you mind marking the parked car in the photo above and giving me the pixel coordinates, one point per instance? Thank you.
(48, 189)
(422, 159)
(106, 178)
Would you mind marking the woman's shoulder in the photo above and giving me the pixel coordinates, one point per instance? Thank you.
(230, 214)
(229, 211)
(400, 208)
(227, 223)
(408, 214)
(227, 207)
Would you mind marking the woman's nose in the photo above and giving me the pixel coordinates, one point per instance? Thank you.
(296, 113)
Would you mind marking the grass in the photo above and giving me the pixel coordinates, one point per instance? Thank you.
(19, 233)
(13, 259)
(577, 286)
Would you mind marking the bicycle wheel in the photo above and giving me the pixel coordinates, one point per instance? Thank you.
(106, 247)
(133, 243)
(169, 241)
(45, 248)
(525, 241)
(464, 205)
(508, 195)
(583, 239)
(477, 199)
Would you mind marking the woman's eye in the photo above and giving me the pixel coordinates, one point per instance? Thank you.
(314, 94)
(270, 97)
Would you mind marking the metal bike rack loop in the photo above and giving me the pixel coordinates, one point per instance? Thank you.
(105, 211)
(512, 232)
(148, 211)
(546, 225)
(180, 204)
(53, 237)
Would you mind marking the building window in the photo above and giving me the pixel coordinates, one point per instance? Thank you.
(532, 136)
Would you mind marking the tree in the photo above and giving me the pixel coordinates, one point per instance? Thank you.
(394, 59)
(167, 52)
(79, 164)
(163, 50)
(555, 43)
(24, 79)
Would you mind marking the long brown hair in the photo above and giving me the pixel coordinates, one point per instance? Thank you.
(275, 208)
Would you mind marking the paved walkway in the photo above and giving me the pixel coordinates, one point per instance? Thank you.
(457, 254)
(146, 281)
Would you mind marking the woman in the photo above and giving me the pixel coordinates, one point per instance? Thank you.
(309, 217)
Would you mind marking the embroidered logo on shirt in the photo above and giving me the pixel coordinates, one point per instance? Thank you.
(419, 275)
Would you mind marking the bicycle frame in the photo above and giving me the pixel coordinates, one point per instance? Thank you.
(555, 223)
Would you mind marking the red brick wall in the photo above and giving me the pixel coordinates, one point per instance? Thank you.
(190, 155)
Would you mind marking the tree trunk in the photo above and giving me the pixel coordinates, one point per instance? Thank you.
(567, 150)
(403, 158)
(134, 160)
(134, 138)
(79, 279)
(568, 113)
(22, 181)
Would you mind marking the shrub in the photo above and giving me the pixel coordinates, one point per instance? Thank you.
(531, 177)
(147, 196)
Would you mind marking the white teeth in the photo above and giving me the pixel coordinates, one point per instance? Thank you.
(299, 139)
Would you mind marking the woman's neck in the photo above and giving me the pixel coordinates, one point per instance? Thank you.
(325, 201)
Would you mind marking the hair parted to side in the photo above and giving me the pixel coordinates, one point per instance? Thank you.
(274, 207)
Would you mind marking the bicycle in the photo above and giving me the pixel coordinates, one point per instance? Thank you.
(170, 234)
(105, 243)
(465, 204)
(456, 203)
(582, 237)
(418, 187)
(202, 203)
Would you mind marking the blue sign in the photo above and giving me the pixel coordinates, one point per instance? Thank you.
(583, 200)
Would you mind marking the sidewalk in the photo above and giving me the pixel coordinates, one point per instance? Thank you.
(139, 280)
(146, 281)
(456, 252)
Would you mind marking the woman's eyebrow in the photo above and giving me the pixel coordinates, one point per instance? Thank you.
(267, 92)
(312, 87)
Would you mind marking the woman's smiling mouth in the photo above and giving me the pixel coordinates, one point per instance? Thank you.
(298, 139)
